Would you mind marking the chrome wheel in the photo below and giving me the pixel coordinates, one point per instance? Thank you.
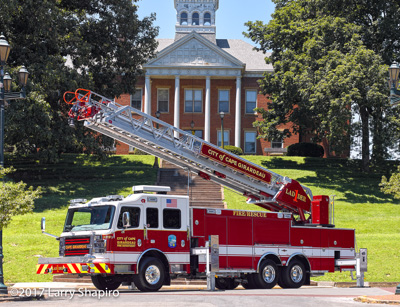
(269, 274)
(152, 275)
(296, 274)
(267, 277)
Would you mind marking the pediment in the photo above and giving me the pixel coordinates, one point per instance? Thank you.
(194, 51)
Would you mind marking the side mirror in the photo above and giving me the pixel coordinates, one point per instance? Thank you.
(43, 224)
(126, 220)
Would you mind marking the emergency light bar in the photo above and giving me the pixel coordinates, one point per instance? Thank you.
(150, 188)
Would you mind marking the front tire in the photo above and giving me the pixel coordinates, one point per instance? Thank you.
(151, 275)
(268, 275)
(105, 283)
(294, 275)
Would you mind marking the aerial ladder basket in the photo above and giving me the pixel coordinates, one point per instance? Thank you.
(131, 126)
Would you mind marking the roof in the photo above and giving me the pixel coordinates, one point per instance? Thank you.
(254, 60)
(164, 43)
(244, 52)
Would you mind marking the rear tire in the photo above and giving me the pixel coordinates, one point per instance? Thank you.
(250, 284)
(280, 281)
(151, 275)
(105, 283)
(294, 275)
(268, 275)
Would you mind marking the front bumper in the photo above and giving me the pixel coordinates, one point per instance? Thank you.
(72, 265)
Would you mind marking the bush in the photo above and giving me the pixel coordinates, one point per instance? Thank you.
(305, 150)
(139, 152)
(233, 149)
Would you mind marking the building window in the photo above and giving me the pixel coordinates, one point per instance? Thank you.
(207, 19)
(223, 101)
(251, 101)
(195, 19)
(250, 142)
(193, 101)
(184, 19)
(226, 138)
(136, 99)
(277, 143)
(163, 100)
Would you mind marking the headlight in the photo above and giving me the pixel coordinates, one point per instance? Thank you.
(99, 245)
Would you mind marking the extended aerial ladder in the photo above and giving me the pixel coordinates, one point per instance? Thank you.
(149, 134)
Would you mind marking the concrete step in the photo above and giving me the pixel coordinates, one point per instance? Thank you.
(198, 193)
(208, 204)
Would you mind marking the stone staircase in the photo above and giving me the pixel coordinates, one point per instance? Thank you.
(202, 193)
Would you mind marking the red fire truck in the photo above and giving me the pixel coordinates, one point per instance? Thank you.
(151, 237)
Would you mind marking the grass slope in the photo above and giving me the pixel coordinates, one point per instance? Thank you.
(359, 205)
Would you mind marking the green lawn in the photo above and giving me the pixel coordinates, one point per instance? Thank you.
(359, 205)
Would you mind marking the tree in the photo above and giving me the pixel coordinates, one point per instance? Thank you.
(70, 44)
(393, 185)
(322, 73)
(15, 198)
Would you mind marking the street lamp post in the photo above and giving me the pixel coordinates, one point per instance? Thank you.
(222, 115)
(6, 95)
(158, 114)
(192, 126)
(394, 97)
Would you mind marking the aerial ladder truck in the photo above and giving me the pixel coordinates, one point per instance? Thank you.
(151, 237)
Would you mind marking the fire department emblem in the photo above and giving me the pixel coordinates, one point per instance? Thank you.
(172, 241)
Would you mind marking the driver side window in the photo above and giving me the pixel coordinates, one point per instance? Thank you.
(134, 214)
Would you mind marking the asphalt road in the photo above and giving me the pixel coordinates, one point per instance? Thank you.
(304, 297)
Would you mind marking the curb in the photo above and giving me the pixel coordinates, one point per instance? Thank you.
(370, 300)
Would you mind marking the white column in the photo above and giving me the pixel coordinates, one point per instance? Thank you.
(147, 95)
(176, 105)
(238, 113)
(207, 111)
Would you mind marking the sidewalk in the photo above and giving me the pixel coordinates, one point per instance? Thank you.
(40, 290)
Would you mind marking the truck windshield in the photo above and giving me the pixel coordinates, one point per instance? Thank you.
(89, 218)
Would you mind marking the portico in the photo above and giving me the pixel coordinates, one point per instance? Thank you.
(196, 58)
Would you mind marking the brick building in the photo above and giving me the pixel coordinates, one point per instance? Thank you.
(196, 76)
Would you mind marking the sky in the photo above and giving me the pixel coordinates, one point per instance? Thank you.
(230, 16)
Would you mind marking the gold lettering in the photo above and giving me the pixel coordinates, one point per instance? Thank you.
(75, 246)
(126, 243)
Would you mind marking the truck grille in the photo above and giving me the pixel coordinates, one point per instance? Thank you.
(77, 246)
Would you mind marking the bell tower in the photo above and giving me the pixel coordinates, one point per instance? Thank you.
(196, 15)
